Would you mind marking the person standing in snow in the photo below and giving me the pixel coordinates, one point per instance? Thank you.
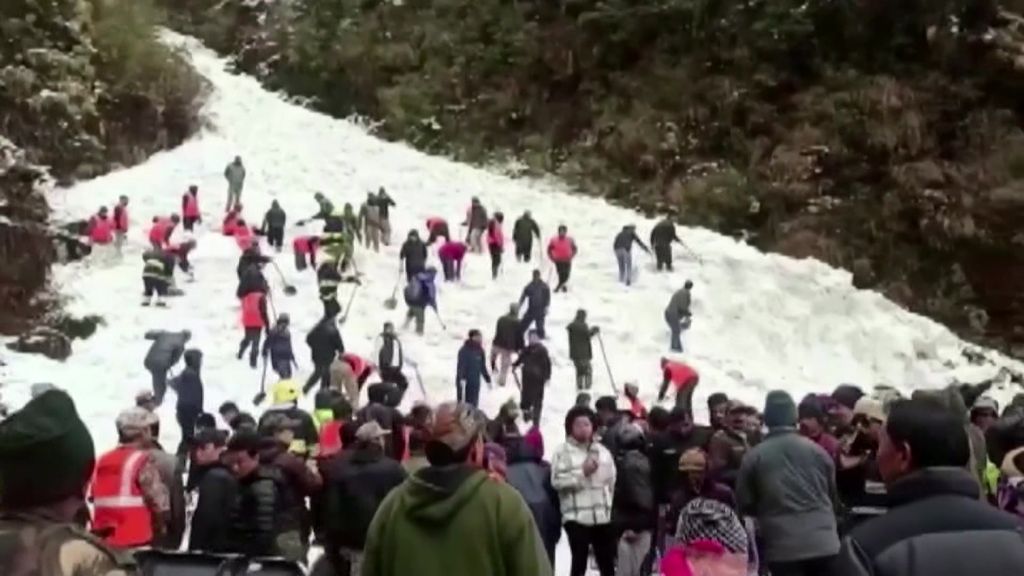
(536, 365)
(537, 295)
(384, 204)
(234, 173)
(254, 321)
(583, 473)
(678, 316)
(496, 242)
(562, 250)
(120, 222)
(729, 445)
(580, 350)
(369, 221)
(508, 340)
(273, 225)
(451, 254)
(278, 347)
(788, 483)
(420, 292)
(390, 358)
(328, 279)
(325, 344)
(623, 247)
(524, 231)
(189, 387)
(476, 221)
(662, 236)
(163, 354)
(451, 518)
(101, 228)
(190, 214)
(471, 369)
(413, 255)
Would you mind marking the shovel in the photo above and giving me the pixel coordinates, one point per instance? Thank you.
(392, 302)
(258, 398)
(289, 290)
(348, 306)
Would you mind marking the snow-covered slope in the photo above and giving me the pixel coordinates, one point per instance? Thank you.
(761, 321)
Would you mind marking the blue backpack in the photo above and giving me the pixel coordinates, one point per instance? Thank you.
(414, 292)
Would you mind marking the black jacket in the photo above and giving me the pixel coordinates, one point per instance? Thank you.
(524, 230)
(255, 514)
(211, 527)
(579, 340)
(507, 334)
(189, 384)
(274, 218)
(166, 350)
(324, 342)
(625, 238)
(664, 233)
(531, 477)
(414, 252)
(537, 294)
(633, 505)
(251, 280)
(477, 218)
(472, 364)
(665, 449)
(278, 344)
(536, 363)
(356, 482)
(936, 526)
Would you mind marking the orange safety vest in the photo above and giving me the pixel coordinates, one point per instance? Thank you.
(191, 206)
(560, 249)
(251, 315)
(117, 498)
(101, 230)
(679, 373)
(330, 438)
(158, 233)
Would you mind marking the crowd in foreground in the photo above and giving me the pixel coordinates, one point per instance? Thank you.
(847, 483)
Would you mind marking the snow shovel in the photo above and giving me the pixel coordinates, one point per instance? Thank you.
(289, 290)
(692, 253)
(607, 366)
(438, 315)
(348, 306)
(392, 302)
(258, 398)
(419, 379)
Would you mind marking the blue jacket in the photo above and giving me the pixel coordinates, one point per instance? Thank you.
(279, 345)
(428, 294)
(189, 384)
(472, 364)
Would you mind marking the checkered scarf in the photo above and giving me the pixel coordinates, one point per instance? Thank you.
(705, 519)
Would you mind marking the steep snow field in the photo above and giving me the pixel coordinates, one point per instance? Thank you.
(760, 321)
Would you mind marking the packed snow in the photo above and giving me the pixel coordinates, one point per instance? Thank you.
(760, 321)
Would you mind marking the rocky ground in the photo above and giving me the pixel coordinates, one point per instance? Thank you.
(880, 137)
(85, 87)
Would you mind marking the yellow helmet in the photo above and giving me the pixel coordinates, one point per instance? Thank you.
(285, 391)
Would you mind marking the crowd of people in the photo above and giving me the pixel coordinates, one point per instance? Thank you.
(848, 483)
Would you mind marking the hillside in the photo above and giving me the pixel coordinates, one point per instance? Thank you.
(881, 137)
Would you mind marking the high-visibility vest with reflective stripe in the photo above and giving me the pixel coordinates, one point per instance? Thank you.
(117, 498)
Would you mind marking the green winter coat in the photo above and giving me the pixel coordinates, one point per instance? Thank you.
(453, 520)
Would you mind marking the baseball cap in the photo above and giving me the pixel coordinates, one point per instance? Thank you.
(456, 425)
(868, 406)
(135, 419)
(371, 431)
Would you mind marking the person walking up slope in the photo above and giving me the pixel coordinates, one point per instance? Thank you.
(583, 473)
(536, 365)
(662, 236)
(278, 347)
(472, 367)
(369, 221)
(385, 204)
(496, 242)
(623, 247)
(450, 518)
(562, 250)
(524, 231)
(580, 350)
(254, 321)
(414, 255)
(273, 225)
(678, 316)
(537, 295)
(788, 484)
(234, 173)
(508, 340)
(190, 214)
(476, 220)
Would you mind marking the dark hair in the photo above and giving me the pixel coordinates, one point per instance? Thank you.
(679, 415)
(243, 420)
(658, 418)
(936, 437)
(441, 454)
(717, 399)
(606, 404)
(228, 407)
(203, 438)
(205, 421)
(341, 409)
(474, 333)
(245, 441)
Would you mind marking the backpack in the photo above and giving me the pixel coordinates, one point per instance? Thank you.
(413, 292)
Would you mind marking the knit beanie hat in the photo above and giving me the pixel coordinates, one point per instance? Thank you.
(706, 519)
(847, 395)
(779, 410)
(46, 452)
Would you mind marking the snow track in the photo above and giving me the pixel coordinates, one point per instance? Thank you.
(760, 321)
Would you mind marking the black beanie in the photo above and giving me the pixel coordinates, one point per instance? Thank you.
(779, 410)
(46, 452)
(574, 413)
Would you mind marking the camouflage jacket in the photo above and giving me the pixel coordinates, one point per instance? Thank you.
(32, 545)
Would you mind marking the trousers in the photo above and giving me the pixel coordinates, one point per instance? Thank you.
(251, 340)
(601, 538)
(625, 261)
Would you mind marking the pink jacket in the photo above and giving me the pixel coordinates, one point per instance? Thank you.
(703, 558)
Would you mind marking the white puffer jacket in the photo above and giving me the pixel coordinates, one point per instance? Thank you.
(585, 500)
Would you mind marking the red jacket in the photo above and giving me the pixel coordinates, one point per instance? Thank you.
(230, 224)
(254, 310)
(121, 218)
(453, 250)
(358, 364)
(117, 498)
(434, 221)
(305, 244)
(161, 231)
(679, 374)
(190, 205)
(101, 230)
(330, 438)
(561, 249)
(244, 237)
(495, 235)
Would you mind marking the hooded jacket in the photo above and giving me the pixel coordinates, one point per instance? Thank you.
(324, 342)
(355, 483)
(524, 230)
(275, 217)
(454, 520)
(278, 344)
(530, 475)
(472, 366)
(189, 384)
(664, 233)
(166, 350)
